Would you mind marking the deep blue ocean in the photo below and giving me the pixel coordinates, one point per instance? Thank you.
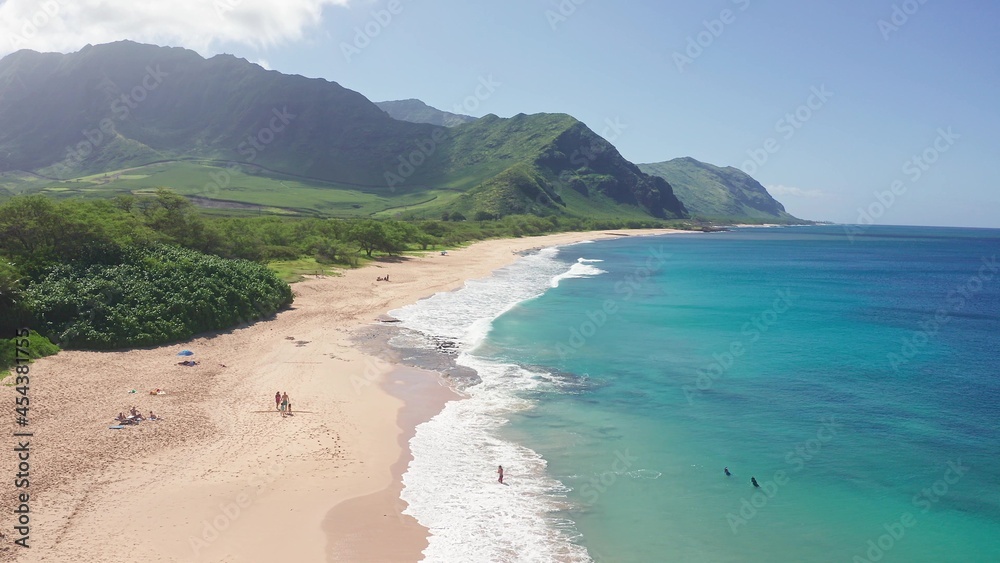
(854, 377)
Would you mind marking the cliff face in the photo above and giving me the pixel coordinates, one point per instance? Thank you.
(715, 193)
(588, 163)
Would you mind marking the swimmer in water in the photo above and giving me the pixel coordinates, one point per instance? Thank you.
(726, 469)
(754, 481)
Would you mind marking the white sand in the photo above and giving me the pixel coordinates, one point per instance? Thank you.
(223, 477)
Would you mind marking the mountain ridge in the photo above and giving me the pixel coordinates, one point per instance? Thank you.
(109, 107)
(416, 111)
(715, 193)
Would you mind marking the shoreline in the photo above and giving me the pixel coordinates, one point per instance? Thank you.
(222, 477)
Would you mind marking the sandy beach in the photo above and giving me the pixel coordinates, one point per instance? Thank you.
(223, 476)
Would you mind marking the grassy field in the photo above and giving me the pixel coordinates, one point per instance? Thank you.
(238, 190)
(293, 271)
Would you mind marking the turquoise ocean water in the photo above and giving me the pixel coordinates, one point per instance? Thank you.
(855, 377)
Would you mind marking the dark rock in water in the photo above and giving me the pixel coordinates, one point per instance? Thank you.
(445, 346)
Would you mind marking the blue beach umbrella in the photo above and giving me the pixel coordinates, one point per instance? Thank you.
(185, 353)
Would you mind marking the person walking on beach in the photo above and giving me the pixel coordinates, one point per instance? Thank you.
(284, 403)
(500, 473)
(277, 400)
(288, 403)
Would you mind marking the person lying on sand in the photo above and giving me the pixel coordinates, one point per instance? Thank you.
(153, 416)
(188, 363)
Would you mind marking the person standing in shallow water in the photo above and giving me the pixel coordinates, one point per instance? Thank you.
(754, 481)
(726, 469)
(500, 473)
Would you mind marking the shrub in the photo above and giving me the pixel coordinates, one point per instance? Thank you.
(38, 347)
(153, 295)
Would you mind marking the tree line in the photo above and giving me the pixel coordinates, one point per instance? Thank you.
(142, 269)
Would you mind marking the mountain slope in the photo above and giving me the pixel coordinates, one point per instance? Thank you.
(416, 111)
(109, 108)
(120, 104)
(715, 193)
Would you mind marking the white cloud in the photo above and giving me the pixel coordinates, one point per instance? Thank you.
(68, 25)
(779, 190)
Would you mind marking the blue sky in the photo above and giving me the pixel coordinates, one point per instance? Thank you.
(922, 84)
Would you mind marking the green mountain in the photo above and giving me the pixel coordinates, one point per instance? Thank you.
(227, 133)
(719, 194)
(416, 111)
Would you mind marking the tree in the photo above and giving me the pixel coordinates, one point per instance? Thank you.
(34, 232)
(370, 235)
(11, 311)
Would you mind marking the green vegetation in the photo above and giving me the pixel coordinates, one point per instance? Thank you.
(148, 269)
(131, 272)
(292, 271)
(269, 169)
(244, 141)
(37, 347)
(151, 295)
(721, 195)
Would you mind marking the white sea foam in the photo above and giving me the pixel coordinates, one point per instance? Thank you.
(582, 269)
(451, 485)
